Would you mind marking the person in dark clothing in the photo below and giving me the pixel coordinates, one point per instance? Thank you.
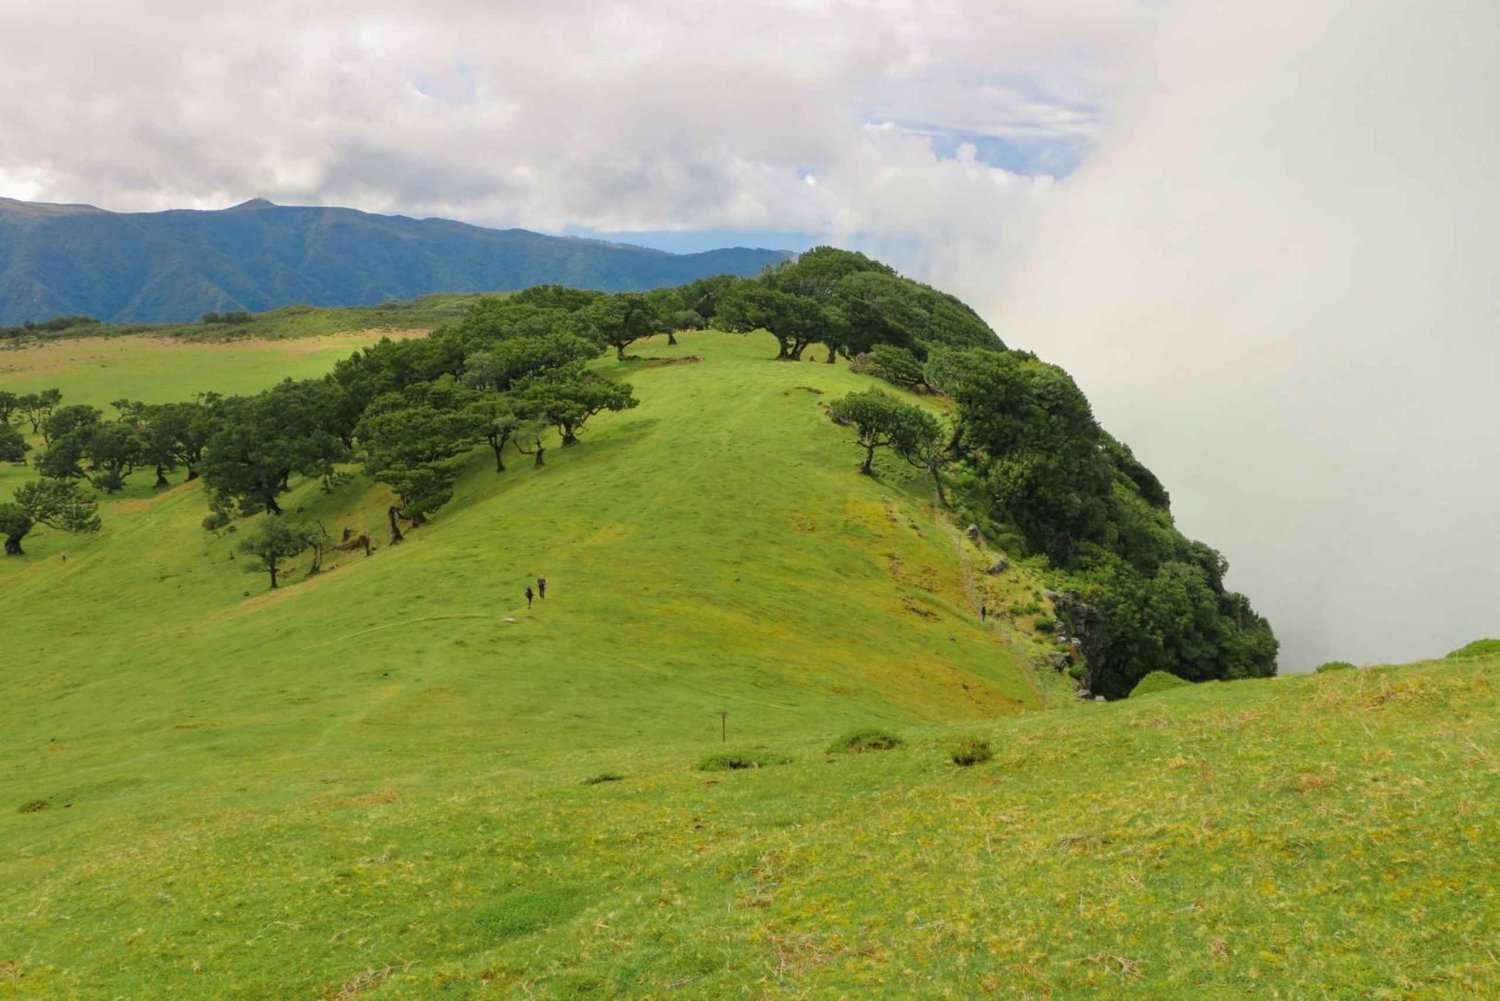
(983, 612)
(541, 587)
(528, 595)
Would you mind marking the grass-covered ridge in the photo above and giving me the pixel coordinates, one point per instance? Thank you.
(711, 551)
(723, 508)
(395, 779)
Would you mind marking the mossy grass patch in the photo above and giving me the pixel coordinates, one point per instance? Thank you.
(734, 761)
(971, 751)
(862, 741)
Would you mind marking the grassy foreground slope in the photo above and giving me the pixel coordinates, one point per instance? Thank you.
(1326, 836)
(372, 783)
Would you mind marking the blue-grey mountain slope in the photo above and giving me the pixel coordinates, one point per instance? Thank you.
(58, 260)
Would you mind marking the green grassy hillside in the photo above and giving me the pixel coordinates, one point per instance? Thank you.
(375, 782)
(288, 322)
(724, 508)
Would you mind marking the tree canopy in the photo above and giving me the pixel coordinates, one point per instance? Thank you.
(13, 444)
(850, 304)
(1041, 471)
(270, 544)
(260, 441)
(409, 441)
(57, 504)
(880, 420)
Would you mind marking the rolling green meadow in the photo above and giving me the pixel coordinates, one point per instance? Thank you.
(393, 779)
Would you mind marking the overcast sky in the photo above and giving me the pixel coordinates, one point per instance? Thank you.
(1262, 236)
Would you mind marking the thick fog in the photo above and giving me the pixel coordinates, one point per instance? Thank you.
(1278, 278)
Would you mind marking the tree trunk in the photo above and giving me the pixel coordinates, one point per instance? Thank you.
(273, 568)
(161, 479)
(272, 506)
(569, 438)
(955, 441)
(539, 450)
(192, 475)
(832, 355)
(13, 545)
(620, 352)
(499, 463)
(937, 479)
(864, 467)
(391, 513)
(671, 339)
(418, 520)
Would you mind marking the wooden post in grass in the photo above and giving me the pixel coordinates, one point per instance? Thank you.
(723, 727)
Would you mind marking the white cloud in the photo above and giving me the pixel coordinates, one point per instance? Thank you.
(1279, 279)
(651, 114)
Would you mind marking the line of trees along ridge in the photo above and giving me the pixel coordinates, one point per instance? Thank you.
(1034, 471)
(1020, 453)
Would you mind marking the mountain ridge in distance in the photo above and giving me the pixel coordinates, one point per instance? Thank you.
(175, 265)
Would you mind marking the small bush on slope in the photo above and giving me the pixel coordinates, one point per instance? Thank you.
(1334, 665)
(731, 761)
(1157, 681)
(865, 740)
(1479, 648)
(971, 752)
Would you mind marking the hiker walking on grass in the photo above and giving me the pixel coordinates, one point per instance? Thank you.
(983, 613)
(541, 587)
(528, 595)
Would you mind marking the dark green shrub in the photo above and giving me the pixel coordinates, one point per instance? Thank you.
(1157, 681)
(896, 365)
(1010, 542)
(732, 761)
(1334, 665)
(971, 752)
(603, 777)
(861, 741)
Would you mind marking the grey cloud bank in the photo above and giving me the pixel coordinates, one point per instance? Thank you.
(1279, 280)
